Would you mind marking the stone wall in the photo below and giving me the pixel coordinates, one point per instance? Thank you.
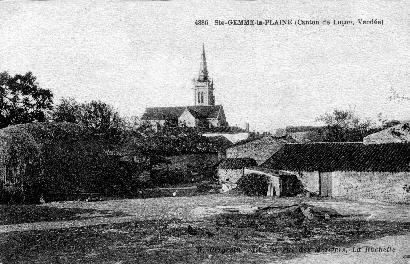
(382, 186)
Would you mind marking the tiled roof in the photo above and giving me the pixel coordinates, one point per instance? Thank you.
(328, 157)
(237, 163)
(166, 113)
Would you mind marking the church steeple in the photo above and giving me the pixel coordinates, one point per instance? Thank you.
(203, 86)
(203, 69)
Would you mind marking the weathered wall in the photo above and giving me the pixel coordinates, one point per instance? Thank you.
(383, 186)
(229, 175)
(310, 180)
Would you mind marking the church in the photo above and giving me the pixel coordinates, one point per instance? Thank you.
(203, 114)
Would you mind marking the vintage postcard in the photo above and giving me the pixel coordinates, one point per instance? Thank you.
(204, 131)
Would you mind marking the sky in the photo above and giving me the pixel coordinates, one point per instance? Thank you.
(138, 54)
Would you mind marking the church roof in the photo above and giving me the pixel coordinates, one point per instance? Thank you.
(167, 113)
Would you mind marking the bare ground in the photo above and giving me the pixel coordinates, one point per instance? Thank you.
(200, 229)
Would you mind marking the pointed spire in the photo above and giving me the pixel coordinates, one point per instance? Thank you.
(203, 69)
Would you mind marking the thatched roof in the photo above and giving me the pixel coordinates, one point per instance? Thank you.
(341, 157)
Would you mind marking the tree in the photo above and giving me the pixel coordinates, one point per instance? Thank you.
(22, 100)
(69, 110)
(99, 117)
(344, 126)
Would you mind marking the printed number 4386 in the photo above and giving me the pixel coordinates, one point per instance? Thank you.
(201, 22)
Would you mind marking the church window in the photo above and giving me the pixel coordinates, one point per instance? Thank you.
(202, 97)
(199, 97)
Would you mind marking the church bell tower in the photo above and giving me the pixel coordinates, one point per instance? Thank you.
(203, 85)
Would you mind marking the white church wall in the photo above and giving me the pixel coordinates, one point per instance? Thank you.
(187, 119)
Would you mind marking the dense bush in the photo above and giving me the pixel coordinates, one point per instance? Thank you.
(57, 160)
(78, 167)
(253, 184)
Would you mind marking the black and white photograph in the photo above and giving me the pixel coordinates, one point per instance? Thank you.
(205, 131)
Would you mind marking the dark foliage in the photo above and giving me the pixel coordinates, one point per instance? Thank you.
(344, 126)
(163, 178)
(100, 118)
(171, 141)
(22, 100)
(80, 167)
(253, 184)
(57, 160)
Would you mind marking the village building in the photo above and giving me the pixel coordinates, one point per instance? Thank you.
(348, 170)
